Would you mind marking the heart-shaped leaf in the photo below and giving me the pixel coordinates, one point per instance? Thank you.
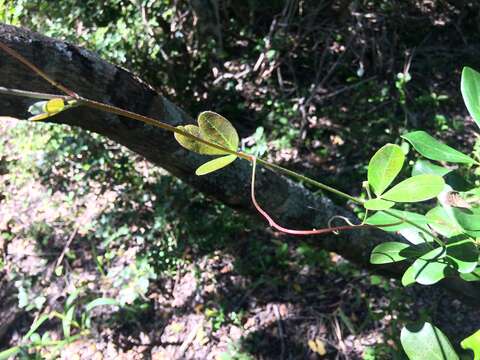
(470, 87)
(388, 252)
(218, 130)
(463, 252)
(416, 188)
(433, 149)
(426, 167)
(384, 167)
(215, 164)
(378, 204)
(473, 343)
(215, 129)
(426, 342)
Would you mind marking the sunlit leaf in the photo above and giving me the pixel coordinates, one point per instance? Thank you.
(215, 164)
(415, 236)
(470, 86)
(473, 276)
(378, 204)
(101, 302)
(388, 252)
(426, 342)
(416, 188)
(44, 109)
(36, 325)
(219, 130)
(9, 353)
(381, 218)
(463, 252)
(192, 144)
(433, 149)
(468, 219)
(429, 268)
(384, 167)
(426, 167)
(440, 220)
(67, 322)
(54, 106)
(473, 343)
(37, 108)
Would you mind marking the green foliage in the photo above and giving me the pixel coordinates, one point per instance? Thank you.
(473, 343)
(426, 342)
(433, 149)
(416, 188)
(470, 86)
(384, 167)
(215, 129)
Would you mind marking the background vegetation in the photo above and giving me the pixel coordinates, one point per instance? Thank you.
(317, 85)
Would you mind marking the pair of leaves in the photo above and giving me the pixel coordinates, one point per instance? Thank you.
(430, 265)
(42, 110)
(384, 167)
(214, 129)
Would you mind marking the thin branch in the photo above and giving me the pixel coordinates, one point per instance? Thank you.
(31, 94)
(36, 70)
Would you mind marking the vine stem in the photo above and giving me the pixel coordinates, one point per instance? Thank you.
(150, 121)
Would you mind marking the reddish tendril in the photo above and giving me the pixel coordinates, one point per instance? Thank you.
(274, 225)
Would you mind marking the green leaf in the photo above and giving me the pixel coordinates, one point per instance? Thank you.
(381, 218)
(37, 108)
(378, 204)
(384, 167)
(71, 298)
(416, 188)
(470, 87)
(468, 219)
(44, 109)
(54, 106)
(426, 343)
(426, 167)
(9, 353)
(213, 128)
(408, 277)
(215, 164)
(388, 252)
(36, 325)
(473, 343)
(440, 221)
(434, 149)
(218, 129)
(429, 268)
(473, 276)
(193, 145)
(67, 322)
(463, 252)
(101, 302)
(415, 236)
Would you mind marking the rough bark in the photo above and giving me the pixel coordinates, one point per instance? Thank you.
(87, 74)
